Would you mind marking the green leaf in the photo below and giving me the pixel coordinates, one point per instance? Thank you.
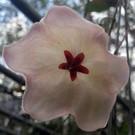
(124, 129)
(95, 6)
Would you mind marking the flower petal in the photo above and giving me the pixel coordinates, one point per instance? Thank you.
(120, 71)
(93, 105)
(34, 51)
(98, 91)
(49, 94)
(62, 16)
(109, 70)
(63, 21)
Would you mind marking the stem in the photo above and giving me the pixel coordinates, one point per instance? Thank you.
(128, 60)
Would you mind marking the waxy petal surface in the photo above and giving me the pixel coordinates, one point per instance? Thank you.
(40, 57)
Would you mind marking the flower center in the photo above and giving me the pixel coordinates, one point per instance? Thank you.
(73, 64)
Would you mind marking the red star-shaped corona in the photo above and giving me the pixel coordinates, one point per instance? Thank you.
(74, 64)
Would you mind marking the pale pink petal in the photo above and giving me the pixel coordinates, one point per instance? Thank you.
(120, 71)
(93, 105)
(62, 16)
(113, 71)
(33, 52)
(63, 21)
(50, 94)
(97, 92)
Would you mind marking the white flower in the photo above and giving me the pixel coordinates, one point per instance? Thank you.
(68, 69)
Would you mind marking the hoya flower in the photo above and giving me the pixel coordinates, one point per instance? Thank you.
(68, 69)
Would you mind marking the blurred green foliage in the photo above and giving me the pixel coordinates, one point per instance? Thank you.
(96, 6)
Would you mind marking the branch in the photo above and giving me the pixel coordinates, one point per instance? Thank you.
(27, 10)
(8, 131)
(12, 75)
(46, 131)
